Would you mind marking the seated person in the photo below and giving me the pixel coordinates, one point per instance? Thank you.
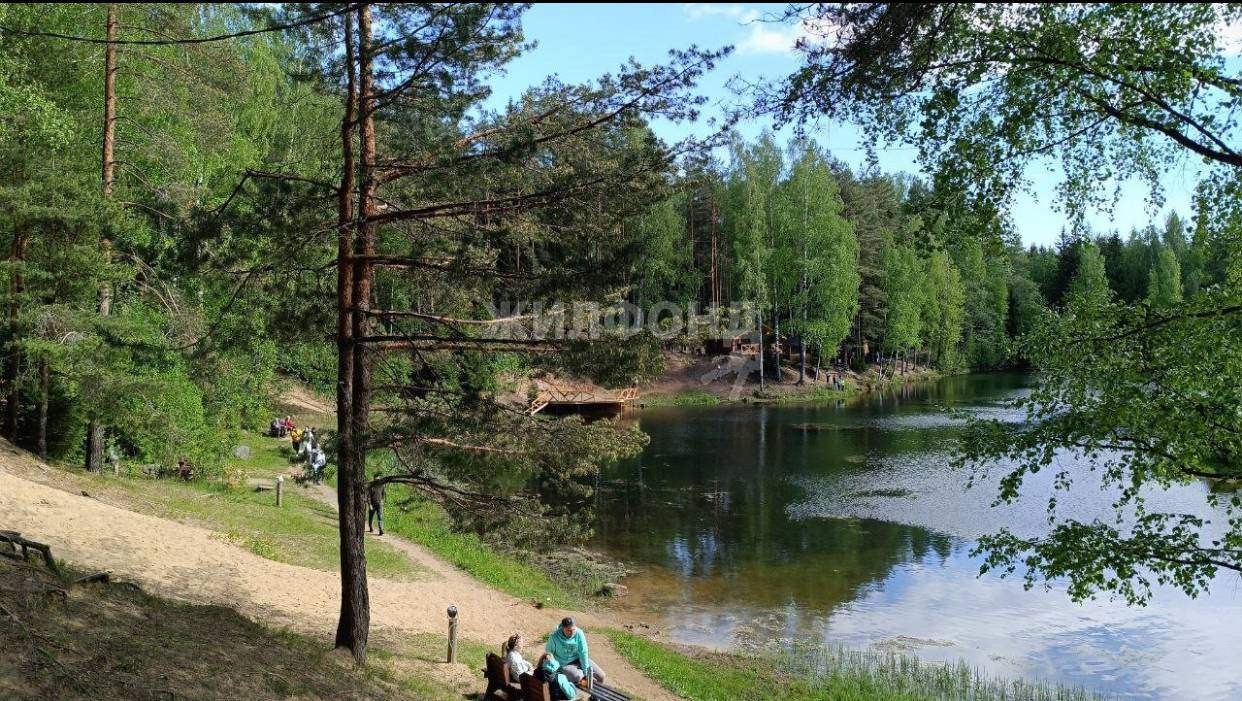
(276, 429)
(511, 651)
(568, 645)
(317, 461)
(547, 670)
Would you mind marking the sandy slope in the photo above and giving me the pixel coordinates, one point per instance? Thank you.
(181, 561)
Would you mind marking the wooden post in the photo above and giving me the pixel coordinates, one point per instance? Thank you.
(280, 490)
(452, 634)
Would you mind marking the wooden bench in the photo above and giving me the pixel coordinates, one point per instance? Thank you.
(599, 692)
(535, 690)
(497, 674)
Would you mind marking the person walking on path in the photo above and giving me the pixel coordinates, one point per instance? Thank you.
(375, 505)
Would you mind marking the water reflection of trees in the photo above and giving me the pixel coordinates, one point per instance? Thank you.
(725, 521)
(707, 499)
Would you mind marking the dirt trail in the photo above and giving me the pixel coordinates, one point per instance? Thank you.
(176, 560)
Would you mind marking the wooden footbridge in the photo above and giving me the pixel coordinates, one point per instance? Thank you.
(552, 395)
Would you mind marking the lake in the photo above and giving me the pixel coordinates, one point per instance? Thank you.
(750, 526)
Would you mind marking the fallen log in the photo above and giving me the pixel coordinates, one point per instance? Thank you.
(100, 577)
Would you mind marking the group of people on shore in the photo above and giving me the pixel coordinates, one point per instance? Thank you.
(281, 426)
(305, 445)
(564, 664)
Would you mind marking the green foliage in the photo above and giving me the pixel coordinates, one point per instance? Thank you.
(1026, 307)
(985, 280)
(1164, 284)
(1089, 291)
(750, 190)
(313, 363)
(904, 289)
(186, 355)
(944, 308)
(694, 397)
(821, 251)
(664, 266)
(809, 244)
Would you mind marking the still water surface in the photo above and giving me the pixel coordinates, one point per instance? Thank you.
(749, 526)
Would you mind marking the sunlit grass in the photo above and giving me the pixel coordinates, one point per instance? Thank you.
(301, 532)
(692, 397)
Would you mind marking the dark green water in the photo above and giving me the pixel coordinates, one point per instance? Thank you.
(753, 525)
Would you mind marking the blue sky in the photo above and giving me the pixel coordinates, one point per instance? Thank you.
(579, 42)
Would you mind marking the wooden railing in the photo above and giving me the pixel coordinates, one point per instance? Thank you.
(550, 393)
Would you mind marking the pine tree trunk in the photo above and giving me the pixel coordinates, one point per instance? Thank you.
(776, 330)
(354, 623)
(715, 276)
(805, 292)
(45, 389)
(13, 366)
(802, 360)
(759, 318)
(805, 321)
(95, 429)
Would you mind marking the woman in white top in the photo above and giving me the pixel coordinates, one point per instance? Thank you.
(518, 665)
(308, 441)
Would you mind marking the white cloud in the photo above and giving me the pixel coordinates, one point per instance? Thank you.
(761, 32)
(699, 10)
(1230, 36)
(770, 39)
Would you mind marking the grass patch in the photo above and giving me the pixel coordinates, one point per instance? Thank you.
(303, 532)
(706, 678)
(813, 395)
(824, 674)
(425, 523)
(412, 661)
(268, 457)
(433, 648)
(691, 397)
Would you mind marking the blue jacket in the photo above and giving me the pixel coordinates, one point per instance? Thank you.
(551, 673)
(566, 650)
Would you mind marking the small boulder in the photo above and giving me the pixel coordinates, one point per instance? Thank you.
(613, 589)
(242, 452)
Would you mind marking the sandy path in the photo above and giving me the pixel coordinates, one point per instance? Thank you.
(189, 563)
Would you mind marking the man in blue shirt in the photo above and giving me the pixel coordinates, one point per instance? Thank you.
(569, 646)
